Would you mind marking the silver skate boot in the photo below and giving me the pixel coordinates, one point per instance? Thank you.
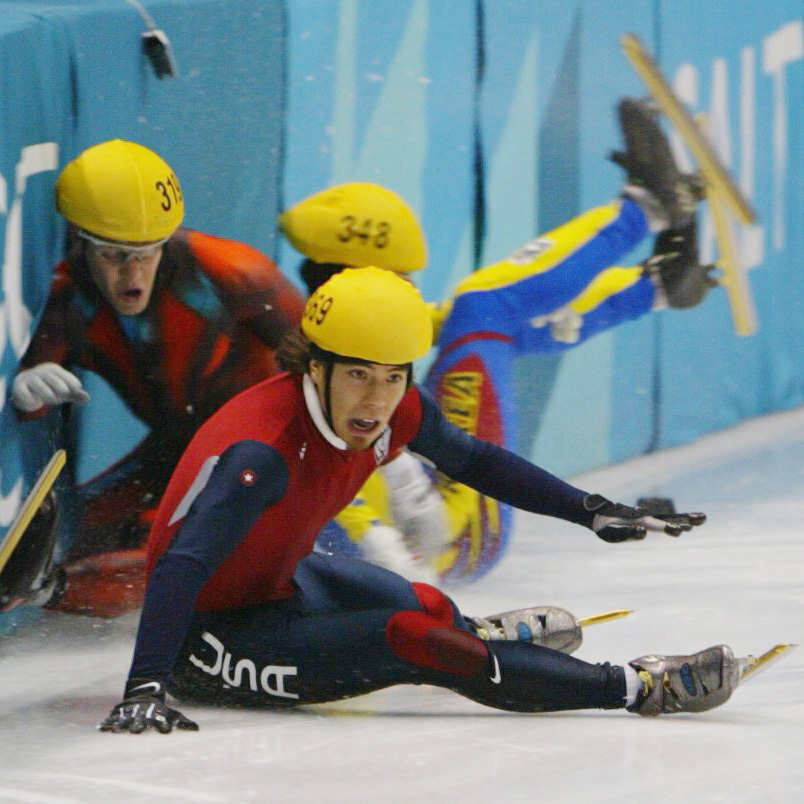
(548, 626)
(693, 683)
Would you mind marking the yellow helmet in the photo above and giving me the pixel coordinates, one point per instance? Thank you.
(121, 191)
(369, 314)
(357, 224)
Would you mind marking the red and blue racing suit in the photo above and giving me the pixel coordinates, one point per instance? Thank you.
(239, 611)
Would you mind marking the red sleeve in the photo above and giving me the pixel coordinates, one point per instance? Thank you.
(50, 341)
(250, 285)
(405, 422)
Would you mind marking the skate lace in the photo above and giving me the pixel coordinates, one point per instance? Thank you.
(486, 629)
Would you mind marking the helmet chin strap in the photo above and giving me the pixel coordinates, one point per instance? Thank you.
(328, 368)
(318, 415)
(328, 360)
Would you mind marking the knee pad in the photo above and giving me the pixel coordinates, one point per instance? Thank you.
(434, 602)
(429, 639)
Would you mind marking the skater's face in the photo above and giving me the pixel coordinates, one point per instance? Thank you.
(125, 277)
(362, 398)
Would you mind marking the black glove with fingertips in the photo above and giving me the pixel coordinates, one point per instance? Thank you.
(615, 522)
(143, 707)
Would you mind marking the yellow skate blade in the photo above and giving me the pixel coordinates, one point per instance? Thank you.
(734, 281)
(753, 665)
(594, 619)
(31, 505)
(711, 167)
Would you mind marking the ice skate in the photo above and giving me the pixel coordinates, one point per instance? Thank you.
(674, 266)
(653, 179)
(724, 195)
(29, 576)
(693, 683)
(548, 626)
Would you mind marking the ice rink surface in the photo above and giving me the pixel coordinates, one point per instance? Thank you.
(738, 580)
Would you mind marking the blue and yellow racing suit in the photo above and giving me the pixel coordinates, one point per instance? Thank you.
(553, 293)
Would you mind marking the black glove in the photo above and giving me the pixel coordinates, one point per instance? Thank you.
(143, 707)
(614, 522)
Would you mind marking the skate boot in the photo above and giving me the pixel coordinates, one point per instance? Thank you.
(29, 576)
(654, 181)
(674, 266)
(685, 683)
(548, 626)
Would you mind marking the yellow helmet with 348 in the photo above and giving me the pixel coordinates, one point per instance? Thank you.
(357, 224)
(121, 191)
(369, 314)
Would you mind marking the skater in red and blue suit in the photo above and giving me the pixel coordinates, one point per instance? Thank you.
(239, 610)
(550, 295)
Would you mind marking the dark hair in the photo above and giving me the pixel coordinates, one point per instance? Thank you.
(314, 274)
(293, 352)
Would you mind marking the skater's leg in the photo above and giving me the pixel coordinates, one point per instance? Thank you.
(328, 643)
(544, 275)
(616, 296)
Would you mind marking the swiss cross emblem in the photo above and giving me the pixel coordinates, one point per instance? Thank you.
(248, 477)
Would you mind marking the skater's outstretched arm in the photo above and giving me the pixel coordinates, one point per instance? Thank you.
(498, 473)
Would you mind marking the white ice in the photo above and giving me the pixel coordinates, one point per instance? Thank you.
(738, 580)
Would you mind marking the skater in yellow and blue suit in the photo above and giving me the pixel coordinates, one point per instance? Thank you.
(553, 293)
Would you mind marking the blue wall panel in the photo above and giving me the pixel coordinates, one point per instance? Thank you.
(494, 119)
(745, 72)
(71, 75)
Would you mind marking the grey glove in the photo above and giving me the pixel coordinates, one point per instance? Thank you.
(386, 547)
(416, 504)
(46, 384)
(615, 522)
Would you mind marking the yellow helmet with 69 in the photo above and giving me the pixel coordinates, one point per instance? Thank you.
(369, 314)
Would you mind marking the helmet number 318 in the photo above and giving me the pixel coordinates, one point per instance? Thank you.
(172, 197)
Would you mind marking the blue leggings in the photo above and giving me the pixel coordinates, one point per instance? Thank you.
(352, 628)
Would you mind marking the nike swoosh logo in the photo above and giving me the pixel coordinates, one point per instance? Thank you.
(497, 677)
(151, 685)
